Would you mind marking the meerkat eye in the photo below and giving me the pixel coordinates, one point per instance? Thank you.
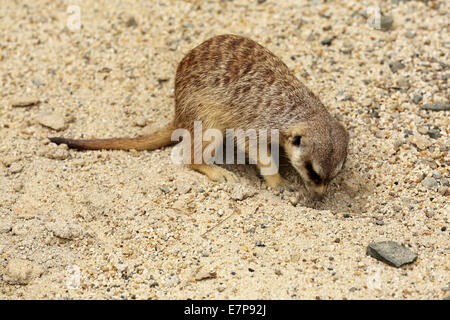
(296, 140)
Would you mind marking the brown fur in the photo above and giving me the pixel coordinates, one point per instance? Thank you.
(230, 81)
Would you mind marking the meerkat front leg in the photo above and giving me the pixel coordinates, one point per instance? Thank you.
(212, 171)
(272, 177)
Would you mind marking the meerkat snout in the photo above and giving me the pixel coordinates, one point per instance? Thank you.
(317, 150)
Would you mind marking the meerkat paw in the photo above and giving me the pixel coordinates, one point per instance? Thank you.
(277, 182)
(222, 175)
(216, 173)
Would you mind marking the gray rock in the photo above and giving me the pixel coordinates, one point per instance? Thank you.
(395, 66)
(391, 253)
(409, 34)
(436, 174)
(417, 98)
(437, 106)
(429, 182)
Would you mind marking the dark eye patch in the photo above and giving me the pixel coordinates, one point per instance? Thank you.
(312, 174)
(296, 140)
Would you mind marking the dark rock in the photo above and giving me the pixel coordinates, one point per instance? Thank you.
(132, 23)
(391, 253)
(327, 42)
(437, 106)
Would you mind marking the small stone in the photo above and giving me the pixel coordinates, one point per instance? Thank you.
(21, 272)
(386, 22)
(240, 192)
(422, 130)
(429, 182)
(410, 35)
(443, 191)
(398, 143)
(437, 106)
(259, 244)
(205, 276)
(366, 103)
(5, 226)
(391, 253)
(403, 83)
(327, 42)
(417, 98)
(121, 267)
(61, 154)
(379, 222)
(131, 22)
(165, 189)
(140, 122)
(395, 66)
(15, 168)
(420, 142)
(52, 120)
(436, 174)
(18, 187)
(24, 102)
(66, 230)
(183, 188)
(171, 281)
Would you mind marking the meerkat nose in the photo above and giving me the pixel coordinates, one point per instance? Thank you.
(319, 191)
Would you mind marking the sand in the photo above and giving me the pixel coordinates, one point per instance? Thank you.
(134, 225)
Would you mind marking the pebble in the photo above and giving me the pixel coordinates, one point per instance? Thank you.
(15, 168)
(241, 192)
(403, 83)
(19, 271)
(131, 22)
(443, 191)
(5, 226)
(395, 66)
(391, 253)
(437, 106)
(417, 98)
(65, 230)
(436, 174)
(171, 281)
(327, 42)
(386, 22)
(429, 182)
(52, 120)
(205, 275)
(140, 122)
(420, 142)
(183, 188)
(410, 35)
(24, 102)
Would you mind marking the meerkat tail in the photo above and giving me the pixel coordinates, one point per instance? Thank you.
(158, 139)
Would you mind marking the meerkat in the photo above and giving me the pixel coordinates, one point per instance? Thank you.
(230, 81)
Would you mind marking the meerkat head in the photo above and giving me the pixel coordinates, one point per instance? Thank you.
(317, 150)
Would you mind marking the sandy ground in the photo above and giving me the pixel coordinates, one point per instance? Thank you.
(116, 224)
